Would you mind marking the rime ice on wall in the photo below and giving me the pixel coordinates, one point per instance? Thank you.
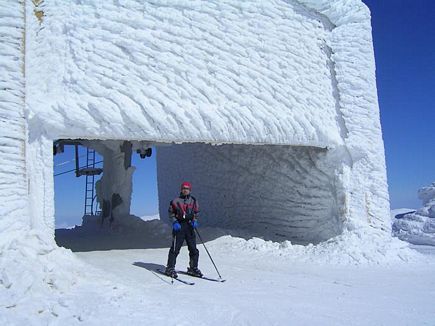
(115, 186)
(419, 227)
(294, 73)
(219, 71)
(275, 192)
(427, 196)
(358, 179)
(14, 215)
(363, 179)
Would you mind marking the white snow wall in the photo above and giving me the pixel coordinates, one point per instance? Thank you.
(14, 214)
(296, 73)
(26, 170)
(271, 191)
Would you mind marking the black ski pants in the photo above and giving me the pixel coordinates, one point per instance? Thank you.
(186, 233)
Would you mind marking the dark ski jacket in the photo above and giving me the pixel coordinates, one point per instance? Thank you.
(183, 208)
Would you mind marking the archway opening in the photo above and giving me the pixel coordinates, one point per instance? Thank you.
(96, 205)
(275, 192)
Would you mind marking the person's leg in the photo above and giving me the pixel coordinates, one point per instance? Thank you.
(191, 245)
(177, 243)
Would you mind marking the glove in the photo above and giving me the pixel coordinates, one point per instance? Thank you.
(194, 223)
(176, 226)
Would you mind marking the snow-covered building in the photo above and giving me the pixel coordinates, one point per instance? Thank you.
(268, 107)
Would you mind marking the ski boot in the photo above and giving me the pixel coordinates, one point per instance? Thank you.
(170, 271)
(194, 271)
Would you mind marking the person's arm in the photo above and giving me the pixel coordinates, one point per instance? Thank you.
(194, 221)
(172, 212)
(196, 209)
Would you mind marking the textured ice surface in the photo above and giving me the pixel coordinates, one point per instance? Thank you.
(13, 184)
(223, 71)
(276, 192)
(275, 72)
(263, 72)
(246, 72)
(427, 195)
(419, 227)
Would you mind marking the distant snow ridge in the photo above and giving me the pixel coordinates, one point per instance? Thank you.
(419, 227)
(150, 217)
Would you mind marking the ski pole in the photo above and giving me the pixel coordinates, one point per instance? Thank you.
(208, 253)
(173, 248)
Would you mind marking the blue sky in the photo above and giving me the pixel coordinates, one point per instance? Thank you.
(70, 190)
(404, 41)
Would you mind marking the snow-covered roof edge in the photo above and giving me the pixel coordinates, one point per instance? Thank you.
(340, 12)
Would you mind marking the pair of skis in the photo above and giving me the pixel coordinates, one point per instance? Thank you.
(191, 283)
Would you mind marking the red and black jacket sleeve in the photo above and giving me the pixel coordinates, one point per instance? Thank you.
(172, 211)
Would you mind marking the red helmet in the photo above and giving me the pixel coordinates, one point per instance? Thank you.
(186, 184)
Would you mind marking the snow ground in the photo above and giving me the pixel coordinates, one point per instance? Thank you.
(267, 283)
(263, 290)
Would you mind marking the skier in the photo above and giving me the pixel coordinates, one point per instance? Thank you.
(183, 211)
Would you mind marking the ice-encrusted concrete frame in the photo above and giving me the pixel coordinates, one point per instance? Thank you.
(288, 88)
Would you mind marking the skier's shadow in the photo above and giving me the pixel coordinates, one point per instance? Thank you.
(152, 268)
(149, 266)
